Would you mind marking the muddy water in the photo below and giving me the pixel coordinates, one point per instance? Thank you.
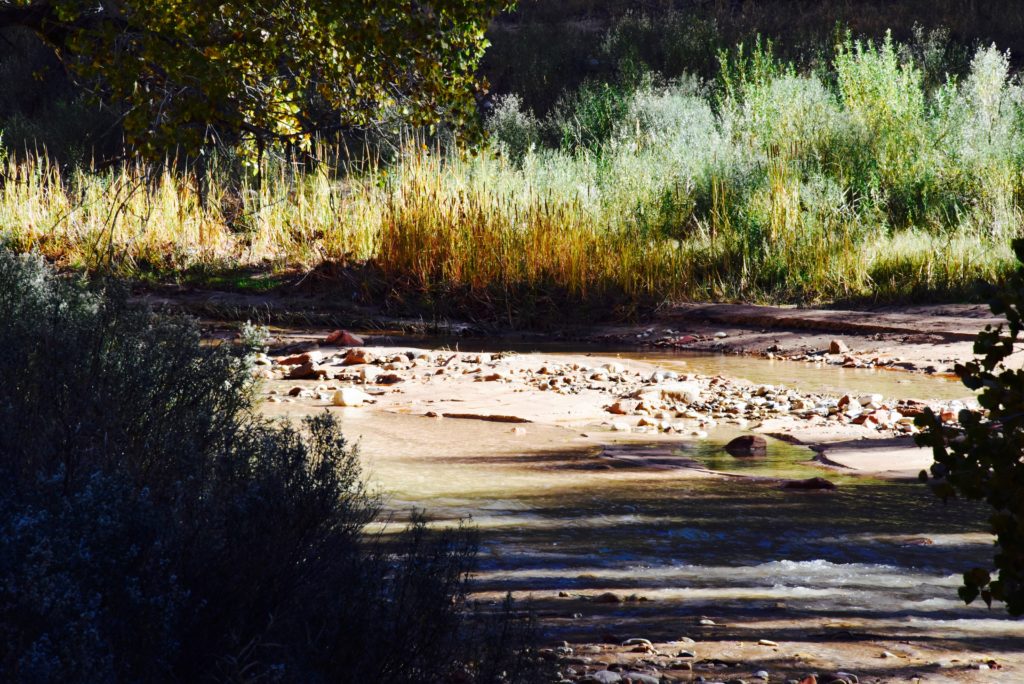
(558, 515)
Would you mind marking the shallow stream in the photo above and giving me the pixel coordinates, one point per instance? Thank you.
(556, 514)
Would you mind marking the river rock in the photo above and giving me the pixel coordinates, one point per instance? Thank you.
(300, 359)
(635, 641)
(623, 407)
(837, 347)
(747, 445)
(307, 371)
(682, 392)
(812, 483)
(344, 338)
(641, 678)
(607, 597)
(350, 396)
(369, 374)
(354, 357)
(603, 677)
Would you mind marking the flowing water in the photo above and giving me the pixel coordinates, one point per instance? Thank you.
(556, 514)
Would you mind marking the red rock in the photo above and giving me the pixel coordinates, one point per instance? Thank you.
(299, 359)
(307, 371)
(344, 338)
(837, 347)
(623, 408)
(355, 357)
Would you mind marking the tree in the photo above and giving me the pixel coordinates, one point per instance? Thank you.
(983, 458)
(186, 73)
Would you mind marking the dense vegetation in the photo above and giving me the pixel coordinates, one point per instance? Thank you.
(634, 156)
(156, 528)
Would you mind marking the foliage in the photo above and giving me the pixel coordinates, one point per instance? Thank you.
(982, 459)
(185, 74)
(153, 527)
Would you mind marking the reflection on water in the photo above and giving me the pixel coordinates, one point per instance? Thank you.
(557, 516)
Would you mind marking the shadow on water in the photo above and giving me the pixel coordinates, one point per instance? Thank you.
(740, 549)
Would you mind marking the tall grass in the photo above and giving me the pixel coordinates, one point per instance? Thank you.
(771, 183)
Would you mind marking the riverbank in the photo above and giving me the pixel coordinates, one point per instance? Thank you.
(606, 399)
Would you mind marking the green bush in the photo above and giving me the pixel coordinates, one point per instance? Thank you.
(156, 528)
(983, 458)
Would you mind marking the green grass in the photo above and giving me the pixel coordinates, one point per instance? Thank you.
(851, 182)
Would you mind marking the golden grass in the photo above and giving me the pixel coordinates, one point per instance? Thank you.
(435, 224)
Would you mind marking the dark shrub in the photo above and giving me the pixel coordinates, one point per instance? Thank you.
(983, 457)
(154, 527)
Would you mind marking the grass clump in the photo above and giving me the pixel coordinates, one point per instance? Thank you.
(156, 528)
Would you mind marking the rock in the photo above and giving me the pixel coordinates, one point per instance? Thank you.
(641, 678)
(607, 597)
(354, 357)
(344, 338)
(604, 677)
(622, 407)
(705, 622)
(837, 347)
(686, 654)
(350, 396)
(307, 371)
(369, 374)
(766, 642)
(389, 379)
(747, 445)
(637, 642)
(810, 484)
(761, 674)
(839, 678)
(619, 426)
(682, 392)
(300, 359)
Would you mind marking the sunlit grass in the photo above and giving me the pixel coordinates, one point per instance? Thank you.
(777, 187)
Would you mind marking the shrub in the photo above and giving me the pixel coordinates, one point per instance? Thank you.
(156, 528)
(982, 460)
(515, 132)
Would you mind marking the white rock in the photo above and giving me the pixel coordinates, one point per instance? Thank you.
(682, 392)
(369, 374)
(350, 396)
